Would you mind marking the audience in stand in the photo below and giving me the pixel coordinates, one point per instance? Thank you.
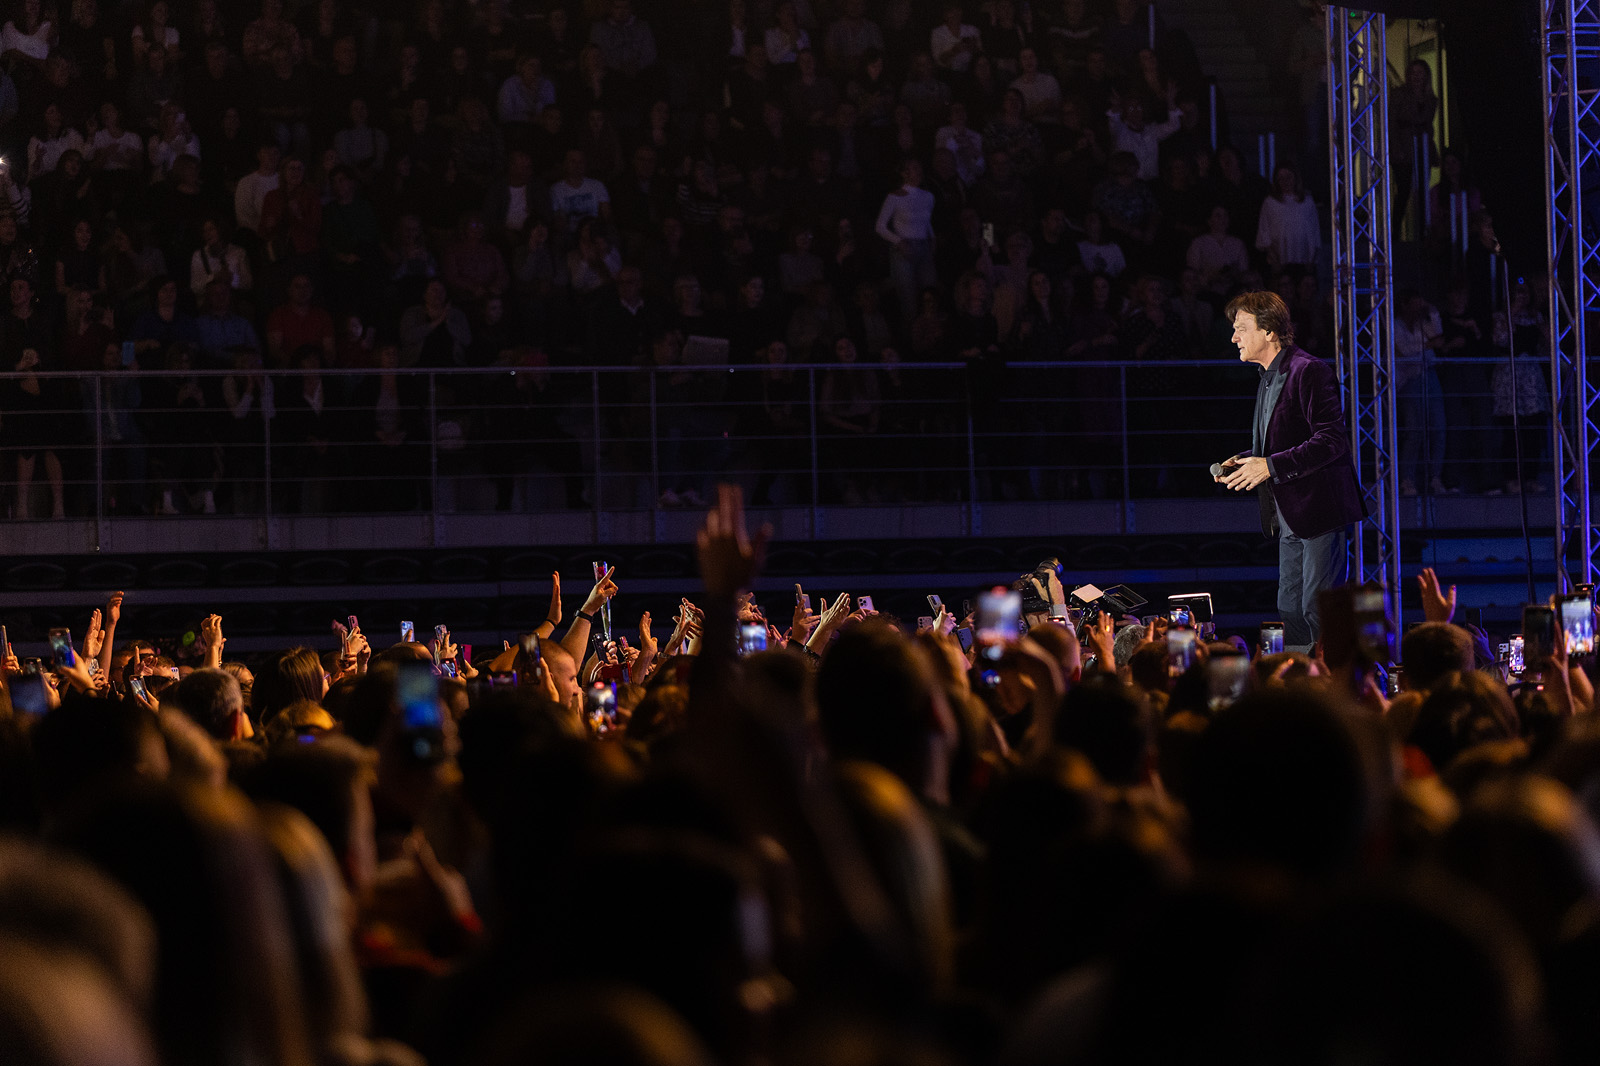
(329, 159)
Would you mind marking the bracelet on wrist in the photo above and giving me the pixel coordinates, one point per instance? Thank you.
(588, 616)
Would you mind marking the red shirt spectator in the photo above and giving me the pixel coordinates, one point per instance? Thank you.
(291, 214)
(295, 324)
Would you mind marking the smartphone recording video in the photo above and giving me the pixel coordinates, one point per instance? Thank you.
(61, 647)
(1577, 622)
(1180, 650)
(1226, 677)
(421, 715)
(752, 638)
(1538, 632)
(1271, 638)
(999, 620)
(1516, 661)
(600, 708)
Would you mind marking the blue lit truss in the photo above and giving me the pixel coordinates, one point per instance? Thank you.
(1358, 94)
(1571, 53)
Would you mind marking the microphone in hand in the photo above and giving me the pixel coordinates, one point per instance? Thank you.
(1217, 470)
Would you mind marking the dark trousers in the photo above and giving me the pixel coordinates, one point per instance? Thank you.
(1305, 568)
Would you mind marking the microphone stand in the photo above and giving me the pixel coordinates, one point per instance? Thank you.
(1516, 420)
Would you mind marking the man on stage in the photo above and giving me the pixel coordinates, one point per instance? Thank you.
(1299, 461)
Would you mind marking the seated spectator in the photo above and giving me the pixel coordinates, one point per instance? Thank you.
(964, 143)
(1128, 205)
(268, 34)
(472, 267)
(1290, 231)
(1131, 132)
(164, 325)
(155, 85)
(1041, 93)
(785, 39)
(626, 43)
(46, 147)
(526, 93)
(954, 43)
(1218, 256)
(1012, 133)
(361, 147)
(435, 332)
(172, 141)
(251, 193)
(79, 266)
(298, 323)
(849, 38)
(221, 330)
(291, 215)
(812, 97)
(577, 196)
(922, 92)
(217, 259)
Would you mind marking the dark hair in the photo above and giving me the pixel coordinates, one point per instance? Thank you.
(1462, 711)
(1434, 650)
(1269, 311)
(1100, 719)
(874, 697)
(292, 675)
(209, 696)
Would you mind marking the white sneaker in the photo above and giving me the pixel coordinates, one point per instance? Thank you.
(166, 504)
(671, 499)
(208, 502)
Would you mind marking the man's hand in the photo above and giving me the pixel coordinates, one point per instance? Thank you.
(729, 556)
(1249, 473)
(553, 615)
(94, 637)
(113, 611)
(211, 634)
(639, 667)
(1102, 635)
(833, 616)
(803, 621)
(1437, 605)
(601, 594)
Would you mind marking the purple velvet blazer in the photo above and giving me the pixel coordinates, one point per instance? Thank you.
(1308, 447)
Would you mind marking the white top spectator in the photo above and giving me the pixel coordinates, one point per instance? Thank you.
(906, 215)
(1290, 229)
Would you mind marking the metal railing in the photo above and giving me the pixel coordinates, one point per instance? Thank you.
(606, 439)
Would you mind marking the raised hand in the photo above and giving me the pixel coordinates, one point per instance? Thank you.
(211, 635)
(113, 610)
(553, 615)
(647, 641)
(601, 594)
(93, 637)
(1101, 639)
(1437, 604)
(729, 556)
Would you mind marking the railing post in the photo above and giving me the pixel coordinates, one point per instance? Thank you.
(99, 467)
(1127, 466)
(655, 447)
(266, 438)
(594, 405)
(816, 481)
(1211, 91)
(433, 459)
(974, 516)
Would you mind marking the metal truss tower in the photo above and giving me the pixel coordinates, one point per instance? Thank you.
(1570, 46)
(1358, 116)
